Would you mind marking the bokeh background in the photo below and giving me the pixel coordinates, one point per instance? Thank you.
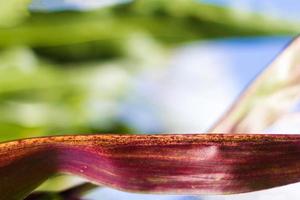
(142, 66)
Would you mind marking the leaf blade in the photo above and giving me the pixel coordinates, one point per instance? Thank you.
(171, 164)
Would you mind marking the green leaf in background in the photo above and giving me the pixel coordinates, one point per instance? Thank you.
(37, 97)
(13, 12)
(73, 193)
(41, 97)
(173, 23)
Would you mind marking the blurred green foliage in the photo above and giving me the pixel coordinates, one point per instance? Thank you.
(68, 71)
(13, 12)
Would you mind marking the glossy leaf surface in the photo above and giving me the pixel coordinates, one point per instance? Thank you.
(179, 164)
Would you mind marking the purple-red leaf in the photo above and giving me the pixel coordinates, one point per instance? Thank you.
(179, 164)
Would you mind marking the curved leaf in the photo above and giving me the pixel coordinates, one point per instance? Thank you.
(179, 164)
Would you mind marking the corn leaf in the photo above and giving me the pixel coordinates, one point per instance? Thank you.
(179, 164)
